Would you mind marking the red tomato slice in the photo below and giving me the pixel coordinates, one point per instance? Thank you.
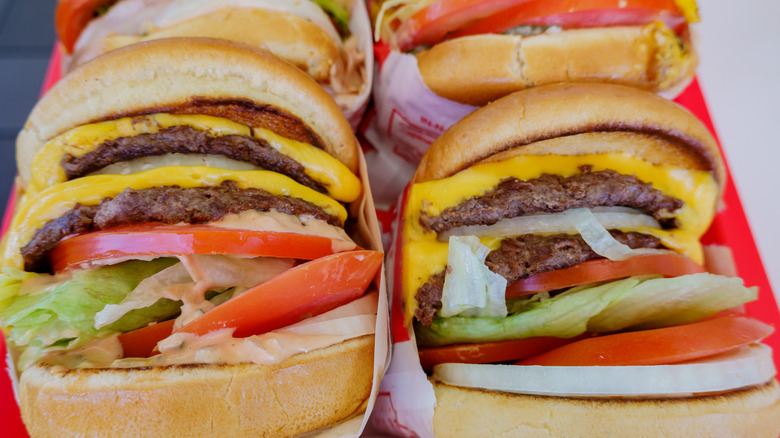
(433, 23)
(580, 14)
(159, 240)
(142, 342)
(660, 346)
(72, 16)
(299, 293)
(490, 352)
(668, 265)
(306, 290)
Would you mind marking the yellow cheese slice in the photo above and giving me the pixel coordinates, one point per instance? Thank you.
(46, 170)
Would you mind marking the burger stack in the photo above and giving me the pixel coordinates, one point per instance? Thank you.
(548, 276)
(551, 267)
(195, 251)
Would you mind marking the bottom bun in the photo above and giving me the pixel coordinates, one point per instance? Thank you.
(466, 412)
(303, 393)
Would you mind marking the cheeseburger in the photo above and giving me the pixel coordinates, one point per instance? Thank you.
(194, 250)
(552, 268)
(474, 52)
(316, 36)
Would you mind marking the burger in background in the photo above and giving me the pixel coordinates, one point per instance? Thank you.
(328, 39)
(189, 250)
(473, 52)
(556, 232)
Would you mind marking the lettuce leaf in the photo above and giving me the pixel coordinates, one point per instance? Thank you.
(632, 303)
(470, 288)
(63, 316)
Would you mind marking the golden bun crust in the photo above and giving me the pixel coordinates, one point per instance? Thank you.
(303, 393)
(466, 412)
(288, 36)
(519, 120)
(171, 73)
(478, 69)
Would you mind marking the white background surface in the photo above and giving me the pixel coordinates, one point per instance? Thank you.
(740, 77)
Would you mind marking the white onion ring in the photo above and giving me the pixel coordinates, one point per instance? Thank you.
(553, 223)
(743, 367)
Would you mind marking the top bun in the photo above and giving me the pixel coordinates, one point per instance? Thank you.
(562, 110)
(169, 74)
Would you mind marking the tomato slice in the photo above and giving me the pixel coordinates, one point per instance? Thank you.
(306, 290)
(72, 16)
(433, 23)
(491, 352)
(668, 265)
(299, 293)
(142, 342)
(160, 240)
(659, 346)
(580, 14)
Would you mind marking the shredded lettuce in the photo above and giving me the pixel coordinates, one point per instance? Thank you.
(470, 288)
(632, 303)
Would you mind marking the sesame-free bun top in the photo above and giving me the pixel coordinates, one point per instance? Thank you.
(190, 75)
(519, 120)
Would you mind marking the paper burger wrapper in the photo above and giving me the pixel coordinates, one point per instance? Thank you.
(407, 117)
(404, 406)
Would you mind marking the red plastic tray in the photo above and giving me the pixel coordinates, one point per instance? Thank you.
(730, 228)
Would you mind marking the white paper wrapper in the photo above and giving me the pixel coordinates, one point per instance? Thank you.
(406, 400)
(408, 117)
(360, 26)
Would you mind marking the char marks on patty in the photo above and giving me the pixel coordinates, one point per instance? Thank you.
(168, 205)
(524, 256)
(187, 140)
(555, 194)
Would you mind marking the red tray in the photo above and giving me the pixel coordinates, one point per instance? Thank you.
(730, 228)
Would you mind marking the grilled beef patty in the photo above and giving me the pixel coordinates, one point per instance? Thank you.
(187, 140)
(554, 194)
(523, 256)
(168, 205)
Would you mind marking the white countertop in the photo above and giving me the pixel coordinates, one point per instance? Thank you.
(740, 77)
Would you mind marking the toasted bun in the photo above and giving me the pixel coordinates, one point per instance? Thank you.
(186, 75)
(478, 69)
(303, 393)
(519, 120)
(468, 412)
(286, 35)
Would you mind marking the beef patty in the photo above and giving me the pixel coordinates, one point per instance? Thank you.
(188, 140)
(554, 194)
(168, 205)
(523, 256)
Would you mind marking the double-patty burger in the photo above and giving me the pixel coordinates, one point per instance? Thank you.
(559, 227)
(316, 36)
(187, 256)
(474, 52)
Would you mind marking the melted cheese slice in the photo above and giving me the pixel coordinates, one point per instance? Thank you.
(46, 170)
(424, 255)
(55, 201)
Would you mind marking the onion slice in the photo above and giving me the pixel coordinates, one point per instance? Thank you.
(743, 367)
(553, 223)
